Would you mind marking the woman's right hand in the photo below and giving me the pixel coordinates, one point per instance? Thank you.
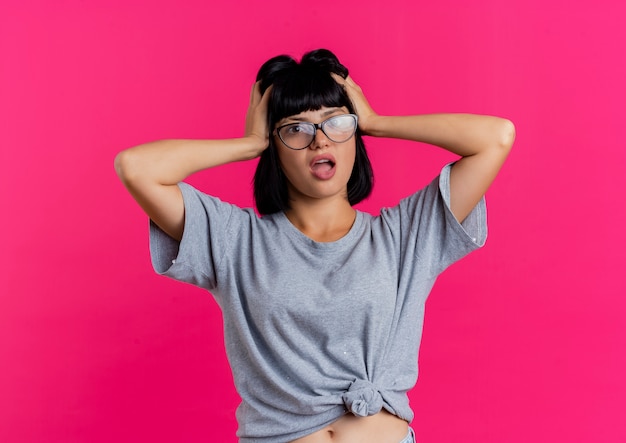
(257, 130)
(151, 171)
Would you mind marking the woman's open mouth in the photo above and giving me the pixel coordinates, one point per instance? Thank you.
(323, 166)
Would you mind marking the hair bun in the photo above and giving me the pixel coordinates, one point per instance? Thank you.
(325, 60)
(280, 65)
(272, 69)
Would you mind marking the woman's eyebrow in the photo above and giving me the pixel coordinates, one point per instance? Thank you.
(330, 111)
(324, 114)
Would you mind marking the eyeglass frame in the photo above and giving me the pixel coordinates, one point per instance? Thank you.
(317, 126)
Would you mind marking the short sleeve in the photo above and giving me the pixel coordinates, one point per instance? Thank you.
(431, 237)
(196, 258)
(474, 227)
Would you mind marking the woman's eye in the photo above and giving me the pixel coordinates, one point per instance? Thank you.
(298, 129)
(295, 129)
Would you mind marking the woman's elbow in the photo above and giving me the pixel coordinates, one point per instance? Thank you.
(125, 164)
(506, 134)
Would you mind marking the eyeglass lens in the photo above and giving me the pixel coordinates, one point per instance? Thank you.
(338, 129)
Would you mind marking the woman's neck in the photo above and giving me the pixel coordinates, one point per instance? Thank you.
(325, 220)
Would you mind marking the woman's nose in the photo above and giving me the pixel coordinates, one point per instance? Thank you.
(320, 140)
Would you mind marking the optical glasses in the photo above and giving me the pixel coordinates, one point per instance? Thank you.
(338, 129)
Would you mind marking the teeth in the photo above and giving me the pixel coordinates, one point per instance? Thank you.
(322, 161)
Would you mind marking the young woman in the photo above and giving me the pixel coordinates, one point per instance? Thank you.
(323, 305)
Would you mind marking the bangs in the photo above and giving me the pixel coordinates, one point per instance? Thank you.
(305, 89)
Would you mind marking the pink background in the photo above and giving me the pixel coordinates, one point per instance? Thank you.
(524, 340)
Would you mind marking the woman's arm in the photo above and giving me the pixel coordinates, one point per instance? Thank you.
(483, 142)
(152, 171)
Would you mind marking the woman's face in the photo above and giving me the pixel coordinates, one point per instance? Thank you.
(323, 169)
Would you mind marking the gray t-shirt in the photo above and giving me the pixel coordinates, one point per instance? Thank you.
(315, 330)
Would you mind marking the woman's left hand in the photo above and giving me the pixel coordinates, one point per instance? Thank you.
(362, 107)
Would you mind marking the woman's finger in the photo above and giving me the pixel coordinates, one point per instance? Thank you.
(266, 96)
(255, 93)
(339, 79)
